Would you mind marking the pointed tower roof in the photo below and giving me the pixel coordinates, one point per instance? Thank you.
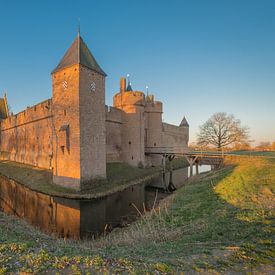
(79, 53)
(129, 87)
(184, 123)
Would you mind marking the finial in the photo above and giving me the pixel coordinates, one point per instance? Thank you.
(147, 90)
(129, 84)
(78, 26)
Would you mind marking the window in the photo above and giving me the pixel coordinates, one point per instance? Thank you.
(93, 86)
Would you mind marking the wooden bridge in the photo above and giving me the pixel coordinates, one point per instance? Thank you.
(215, 159)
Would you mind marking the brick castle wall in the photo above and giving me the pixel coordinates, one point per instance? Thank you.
(132, 104)
(36, 136)
(92, 125)
(27, 136)
(113, 134)
(175, 137)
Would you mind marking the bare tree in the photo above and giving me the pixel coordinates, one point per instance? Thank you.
(264, 146)
(221, 130)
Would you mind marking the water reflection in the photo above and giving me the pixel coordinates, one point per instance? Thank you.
(202, 168)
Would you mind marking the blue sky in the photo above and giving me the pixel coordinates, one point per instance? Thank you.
(198, 57)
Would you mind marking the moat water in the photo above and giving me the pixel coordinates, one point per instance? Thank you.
(82, 218)
(202, 169)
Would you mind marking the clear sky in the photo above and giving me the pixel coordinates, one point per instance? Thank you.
(198, 57)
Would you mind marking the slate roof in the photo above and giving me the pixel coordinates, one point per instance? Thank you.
(79, 53)
(184, 122)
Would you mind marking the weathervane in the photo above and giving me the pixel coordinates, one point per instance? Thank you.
(147, 90)
(78, 26)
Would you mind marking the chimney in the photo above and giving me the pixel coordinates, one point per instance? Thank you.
(122, 84)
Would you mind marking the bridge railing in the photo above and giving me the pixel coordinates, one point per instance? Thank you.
(166, 150)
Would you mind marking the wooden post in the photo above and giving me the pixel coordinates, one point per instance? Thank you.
(191, 160)
(164, 171)
(197, 167)
(191, 169)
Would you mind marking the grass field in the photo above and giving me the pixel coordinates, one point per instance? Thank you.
(222, 221)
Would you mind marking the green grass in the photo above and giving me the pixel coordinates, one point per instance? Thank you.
(223, 222)
(119, 176)
(254, 153)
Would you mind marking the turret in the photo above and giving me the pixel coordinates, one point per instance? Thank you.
(153, 128)
(185, 128)
(132, 103)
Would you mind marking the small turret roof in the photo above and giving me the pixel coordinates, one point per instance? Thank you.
(184, 122)
(129, 87)
(79, 53)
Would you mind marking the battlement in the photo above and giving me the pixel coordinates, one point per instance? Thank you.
(31, 114)
(172, 128)
(113, 114)
(153, 107)
(129, 98)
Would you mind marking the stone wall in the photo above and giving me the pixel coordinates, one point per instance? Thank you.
(132, 104)
(113, 134)
(175, 137)
(27, 136)
(92, 125)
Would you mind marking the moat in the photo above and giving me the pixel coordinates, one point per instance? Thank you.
(75, 215)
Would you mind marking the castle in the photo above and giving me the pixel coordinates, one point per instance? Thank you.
(75, 134)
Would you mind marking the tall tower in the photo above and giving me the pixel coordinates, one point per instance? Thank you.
(132, 103)
(153, 128)
(78, 85)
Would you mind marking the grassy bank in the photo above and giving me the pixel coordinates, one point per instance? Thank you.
(119, 176)
(223, 221)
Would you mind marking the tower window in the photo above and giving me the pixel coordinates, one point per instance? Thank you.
(65, 85)
(93, 87)
(130, 142)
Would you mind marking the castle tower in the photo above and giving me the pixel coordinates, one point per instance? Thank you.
(185, 129)
(78, 85)
(153, 128)
(132, 103)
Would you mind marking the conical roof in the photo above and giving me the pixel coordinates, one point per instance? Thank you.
(184, 123)
(129, 87)
(79, 53)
